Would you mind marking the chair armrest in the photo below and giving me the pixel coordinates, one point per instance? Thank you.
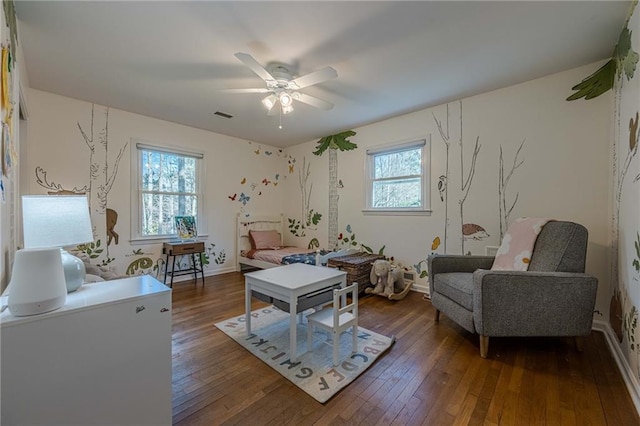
(444, 263)
(528, 303)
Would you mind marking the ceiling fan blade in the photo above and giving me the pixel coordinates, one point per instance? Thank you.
(253, 90)
(255, 66)
(315, 77)
(312, 100)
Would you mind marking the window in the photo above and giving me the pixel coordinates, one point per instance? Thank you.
(397, 178)
(168, 185)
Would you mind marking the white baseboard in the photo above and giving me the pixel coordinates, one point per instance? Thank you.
(207, 273)
(625, 369)
(420, 288)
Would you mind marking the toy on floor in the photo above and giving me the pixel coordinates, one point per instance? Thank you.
(388, 280)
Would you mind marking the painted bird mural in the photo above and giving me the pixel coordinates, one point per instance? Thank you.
(442, 186)
(633, 132)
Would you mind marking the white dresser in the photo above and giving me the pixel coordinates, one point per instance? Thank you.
(103, 358)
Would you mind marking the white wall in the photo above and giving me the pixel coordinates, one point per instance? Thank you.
(564, 174)
(623, 295)
(56, 145)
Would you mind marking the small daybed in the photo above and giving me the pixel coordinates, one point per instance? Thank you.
(271, 251)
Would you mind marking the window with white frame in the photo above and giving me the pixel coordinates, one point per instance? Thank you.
(168, 185)
(398, 178)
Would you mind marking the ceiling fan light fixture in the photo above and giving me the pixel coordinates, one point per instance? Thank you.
(286, 109)
(286, 100)
(269, 101)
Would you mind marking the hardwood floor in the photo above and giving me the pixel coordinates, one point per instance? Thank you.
(433, 375)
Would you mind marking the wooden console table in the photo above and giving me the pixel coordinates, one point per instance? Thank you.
(181, 249)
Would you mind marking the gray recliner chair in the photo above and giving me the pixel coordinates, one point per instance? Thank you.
(553, 298)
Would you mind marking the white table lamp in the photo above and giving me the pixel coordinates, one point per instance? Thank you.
(37, 282)
(58, 221)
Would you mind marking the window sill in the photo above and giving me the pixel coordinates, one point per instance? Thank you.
(396, 212)
(161, 239)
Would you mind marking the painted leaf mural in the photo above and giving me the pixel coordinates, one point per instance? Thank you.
(636, 261)
(626, 58)
(623, 61)
(139, 265)
(209, 254)
(338, 141)
(596, 84)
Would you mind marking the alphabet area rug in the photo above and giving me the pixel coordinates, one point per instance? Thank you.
(313, 372)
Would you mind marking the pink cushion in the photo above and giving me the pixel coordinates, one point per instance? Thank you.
(515, 251)
(261, 240)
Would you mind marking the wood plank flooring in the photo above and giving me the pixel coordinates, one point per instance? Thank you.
(433, 375)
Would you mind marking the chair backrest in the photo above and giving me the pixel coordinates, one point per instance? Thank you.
(560, 247)
(340, 308)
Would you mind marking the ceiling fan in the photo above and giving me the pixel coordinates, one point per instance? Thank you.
(282, 87)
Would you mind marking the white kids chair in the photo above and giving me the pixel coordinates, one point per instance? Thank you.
(336, 319)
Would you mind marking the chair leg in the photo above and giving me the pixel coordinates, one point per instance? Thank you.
(354, 341)
(484, 346)
(437, 316)
(309, 336)
(579, 343)
(336, 343)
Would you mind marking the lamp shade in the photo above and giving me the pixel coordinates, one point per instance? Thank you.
(55, 220)
(269, 101)
(58, 221)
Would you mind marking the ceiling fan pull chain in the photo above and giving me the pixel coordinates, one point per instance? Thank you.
(280, 126)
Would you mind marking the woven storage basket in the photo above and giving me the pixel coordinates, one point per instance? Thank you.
(357, 267)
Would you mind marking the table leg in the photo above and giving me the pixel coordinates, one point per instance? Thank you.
(173, 269)
(201, 267)
(247, 307)
(195, 270)
(166, 269)
(293, 333)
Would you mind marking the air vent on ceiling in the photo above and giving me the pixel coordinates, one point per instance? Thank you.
(223, 114)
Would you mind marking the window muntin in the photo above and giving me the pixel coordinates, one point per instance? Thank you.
(168, 186)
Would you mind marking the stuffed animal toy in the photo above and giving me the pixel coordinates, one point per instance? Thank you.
(386, 278)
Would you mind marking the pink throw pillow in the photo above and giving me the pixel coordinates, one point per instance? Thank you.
(262, 240)
(517, 245)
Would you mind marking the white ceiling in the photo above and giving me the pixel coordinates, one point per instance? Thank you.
(169, 60)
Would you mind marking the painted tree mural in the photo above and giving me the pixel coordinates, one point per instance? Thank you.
(503, 183)
(618, 74)
(101, 181)
(442, 181)
(334, 143)
(446, 182)
(466, 184)
(309, 218)
(100, 178)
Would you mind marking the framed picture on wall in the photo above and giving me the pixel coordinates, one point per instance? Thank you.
(186, 227)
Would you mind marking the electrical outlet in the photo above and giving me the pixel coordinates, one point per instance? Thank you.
(491, 250)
